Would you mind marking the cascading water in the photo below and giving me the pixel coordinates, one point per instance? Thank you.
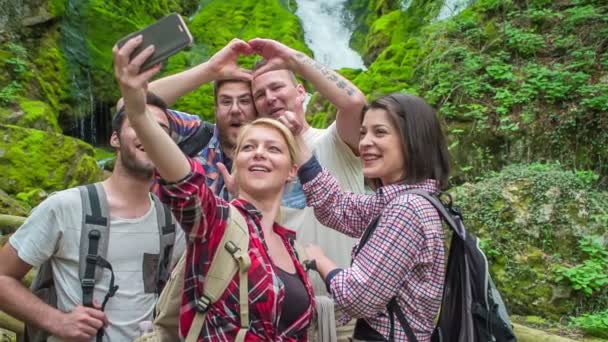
(451, 8)
(77, 56)
(327, 33)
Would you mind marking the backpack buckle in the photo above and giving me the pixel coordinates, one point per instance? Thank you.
(87, 283)
(202, 304)
(231, 247)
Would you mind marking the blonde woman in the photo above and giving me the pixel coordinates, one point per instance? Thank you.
(281, 301)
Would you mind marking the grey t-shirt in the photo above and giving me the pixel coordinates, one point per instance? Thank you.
(52, 231)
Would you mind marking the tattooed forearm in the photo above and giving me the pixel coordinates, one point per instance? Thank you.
(328, 73)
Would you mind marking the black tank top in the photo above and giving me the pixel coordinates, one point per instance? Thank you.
(296, 299)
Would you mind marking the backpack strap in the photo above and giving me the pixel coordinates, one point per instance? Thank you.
(230, 257)
(166, 231)
(450, 214)
(301, 254)
(393, 308)
(94, 236)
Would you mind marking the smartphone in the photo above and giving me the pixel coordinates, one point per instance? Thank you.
(169, 35)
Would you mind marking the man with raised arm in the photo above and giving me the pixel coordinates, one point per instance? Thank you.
(275, 92)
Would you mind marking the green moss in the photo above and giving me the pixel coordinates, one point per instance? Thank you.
(31, 159)
(57, 7)
(52, 81)
(38, 115)
(103, 153)
(32, 197)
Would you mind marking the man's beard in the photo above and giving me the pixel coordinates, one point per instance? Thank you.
(226, 143)
(133, 166)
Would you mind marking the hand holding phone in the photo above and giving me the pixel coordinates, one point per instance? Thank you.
(169, 35)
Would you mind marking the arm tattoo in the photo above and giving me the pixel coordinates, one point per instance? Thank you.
(325, 71)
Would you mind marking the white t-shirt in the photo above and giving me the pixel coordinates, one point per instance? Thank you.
(334, 155)
(52, 231)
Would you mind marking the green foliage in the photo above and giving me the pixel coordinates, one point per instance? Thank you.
(16, 66)
(51, 74)
(591, 276)
(9, 93)
(530, 220)
(594, 324)
(525, 42)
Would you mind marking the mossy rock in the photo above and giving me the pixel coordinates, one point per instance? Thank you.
(32, 114)
(52, 84)
(11, 206)
(530, 219)
(31, 159)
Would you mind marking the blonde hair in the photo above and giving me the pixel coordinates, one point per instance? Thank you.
(292, 145)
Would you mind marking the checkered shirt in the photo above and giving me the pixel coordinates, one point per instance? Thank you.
(404, 257)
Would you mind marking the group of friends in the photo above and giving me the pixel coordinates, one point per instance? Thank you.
(287, 179)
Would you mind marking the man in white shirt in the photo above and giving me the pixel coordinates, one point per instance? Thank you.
(52, 232)
(275, 90)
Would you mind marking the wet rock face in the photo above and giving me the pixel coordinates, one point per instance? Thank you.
(530, 219)
(20, 14)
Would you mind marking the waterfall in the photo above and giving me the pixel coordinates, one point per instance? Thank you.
(81, 85)
(405, 4)
(327, 32)
(451, 8)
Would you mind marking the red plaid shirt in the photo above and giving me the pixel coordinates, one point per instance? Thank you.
(203, 216)
(404, 257)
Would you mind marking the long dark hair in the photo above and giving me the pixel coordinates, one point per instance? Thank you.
(424, 144)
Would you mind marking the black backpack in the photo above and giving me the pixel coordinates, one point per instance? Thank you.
(472, 310)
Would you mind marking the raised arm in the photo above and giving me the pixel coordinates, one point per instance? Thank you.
(170, 162)
(344, 95)
(223, 65)
(191, 201)
(346, 212)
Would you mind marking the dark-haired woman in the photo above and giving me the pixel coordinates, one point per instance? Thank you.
(402, 263)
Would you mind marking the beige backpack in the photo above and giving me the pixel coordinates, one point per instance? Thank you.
(226, 262)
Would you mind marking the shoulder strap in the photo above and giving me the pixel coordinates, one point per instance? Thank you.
(166, 231)
(371, 227)
(93, 237)
(231, 256)
(301, 254)
(450, 214)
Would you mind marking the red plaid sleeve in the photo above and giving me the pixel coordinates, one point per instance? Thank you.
(193, 204)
